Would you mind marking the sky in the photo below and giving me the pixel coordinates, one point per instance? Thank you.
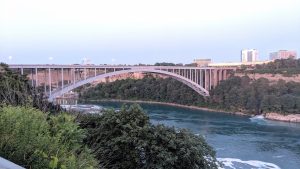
(144, 31)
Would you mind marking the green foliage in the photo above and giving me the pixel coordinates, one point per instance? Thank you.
(14, 87)
(233, 94)
(126, 139)
(29, 139)
(286, 67)
(148, 88)
(164, 64)
(242, 94)
(16, 90)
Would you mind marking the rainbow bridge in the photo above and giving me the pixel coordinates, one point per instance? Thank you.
(58, 80)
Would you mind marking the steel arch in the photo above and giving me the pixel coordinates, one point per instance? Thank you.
(196, 87)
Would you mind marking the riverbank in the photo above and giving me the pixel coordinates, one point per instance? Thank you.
(294, 118)
(173, 104)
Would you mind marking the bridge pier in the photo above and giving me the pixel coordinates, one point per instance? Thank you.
(50, 81)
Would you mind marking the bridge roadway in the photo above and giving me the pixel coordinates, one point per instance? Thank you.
(58, 80)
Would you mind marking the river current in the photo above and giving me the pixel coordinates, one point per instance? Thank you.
(240, 142)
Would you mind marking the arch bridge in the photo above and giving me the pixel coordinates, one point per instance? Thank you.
(58, 80)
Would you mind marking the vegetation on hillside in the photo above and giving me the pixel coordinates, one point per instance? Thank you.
(127, 139)
(286, 67)
(257, 96)
(234, 94)
(148, 88)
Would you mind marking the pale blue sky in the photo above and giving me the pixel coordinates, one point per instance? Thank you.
(138, 31)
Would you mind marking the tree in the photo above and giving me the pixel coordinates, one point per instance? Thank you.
(126, 139)
(33, 139)
(16, 90)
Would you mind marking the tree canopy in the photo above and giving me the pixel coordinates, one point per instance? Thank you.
(127, 139)
(257, 96)
(148, 88)
(234, 94)
(36, 140)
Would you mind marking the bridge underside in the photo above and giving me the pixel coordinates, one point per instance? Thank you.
(58, 80)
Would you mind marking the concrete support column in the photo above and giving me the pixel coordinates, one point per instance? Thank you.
(224, 74)
(22, 71)
(50, 81)
(36, 77)
(207, 79)
(196, 76)
(196, 73)
(84, 73)
(215, 78)
(45, 79)
(74, 77)
(31, 74)
(96, 72)
(220, 76)
(62, 78)
(201, 79)
(57, 77)
(210, 79)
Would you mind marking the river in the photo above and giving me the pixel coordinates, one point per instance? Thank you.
(240, 142)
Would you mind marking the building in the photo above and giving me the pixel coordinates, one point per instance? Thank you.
(249, 55)
(202, 62)
(237, 64)
(283, 54)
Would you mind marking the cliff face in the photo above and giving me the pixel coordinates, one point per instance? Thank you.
(273, 78)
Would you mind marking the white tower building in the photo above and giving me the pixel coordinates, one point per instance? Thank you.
(249, 55)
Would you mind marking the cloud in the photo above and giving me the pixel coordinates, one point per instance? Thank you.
(10, 57)
(50, 58)
(113, 60)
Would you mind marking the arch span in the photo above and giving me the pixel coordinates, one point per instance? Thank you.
(196, 87)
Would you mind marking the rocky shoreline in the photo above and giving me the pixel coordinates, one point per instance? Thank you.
(294, 118)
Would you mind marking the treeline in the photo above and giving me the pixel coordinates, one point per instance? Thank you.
(257, 96)
(148, 89)
(173, 64)
(234, 94)
(280, 66)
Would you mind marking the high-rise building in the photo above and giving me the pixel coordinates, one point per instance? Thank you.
(249, 55)
(283, 54)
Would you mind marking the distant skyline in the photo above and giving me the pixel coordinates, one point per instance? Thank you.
(137, 31)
